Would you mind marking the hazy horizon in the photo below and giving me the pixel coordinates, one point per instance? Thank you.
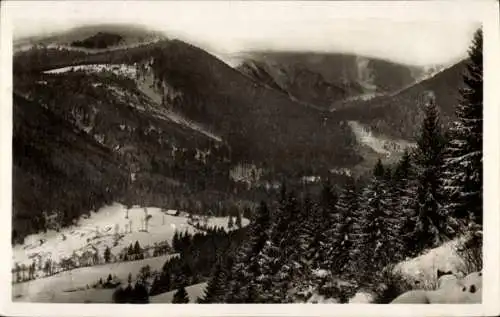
(411, 34)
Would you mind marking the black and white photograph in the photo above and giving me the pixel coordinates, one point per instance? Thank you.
(246, 152)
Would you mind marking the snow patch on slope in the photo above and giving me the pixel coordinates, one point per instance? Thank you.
(378, 144)
(175, 117)
(128, 71)
(424, 267)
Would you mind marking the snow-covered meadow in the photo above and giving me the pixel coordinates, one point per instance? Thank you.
(108, 227)
(70, 286)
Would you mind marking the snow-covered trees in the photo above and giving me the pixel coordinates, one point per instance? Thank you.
(464, 153)
(246, 268)
(338, 240)
(216, 288)
(376, 241)
(403, 200)
(430, 218)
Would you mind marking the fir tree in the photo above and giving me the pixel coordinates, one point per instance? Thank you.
(181, 296)
(430, 219)
(175, 241)
(107, 255)
(215, 291)
(328, 206)
(464, 154)
(139, 294)
(161, 284)
(276, 268)
(119, 296)
(376, 227)
(338, 241)
(239, 220)
(403, 200)
(246, 268)
(137, 248)
(130, 251)
(303, 248)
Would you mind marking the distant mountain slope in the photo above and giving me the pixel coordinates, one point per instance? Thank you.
(259, 123)
(400, 115)
(325, 79)
(99, 40)
(115, 36)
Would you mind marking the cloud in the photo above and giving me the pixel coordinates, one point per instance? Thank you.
(415, 33)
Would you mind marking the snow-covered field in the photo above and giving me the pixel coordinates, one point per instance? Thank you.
(106, 228)
(70, 286)
(194, 291)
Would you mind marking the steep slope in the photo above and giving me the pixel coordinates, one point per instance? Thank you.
(399, 115)
(49, 155)
(259, 123)
(326, 80)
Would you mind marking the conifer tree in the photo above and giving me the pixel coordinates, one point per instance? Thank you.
(338, 242)
(403, 201)
(275, 280)
(464, 154)
(181, 296)
(119, 296)
(107, 255)
(303, 249)
(376, 228)
(215, 291)
(328, 206)
(137, 248)
(431, 224)
(239, 220)
(246, 269)
(175, 241)
(139, 294)
(325, 220)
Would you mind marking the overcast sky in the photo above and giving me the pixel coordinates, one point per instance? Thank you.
(409, 32)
